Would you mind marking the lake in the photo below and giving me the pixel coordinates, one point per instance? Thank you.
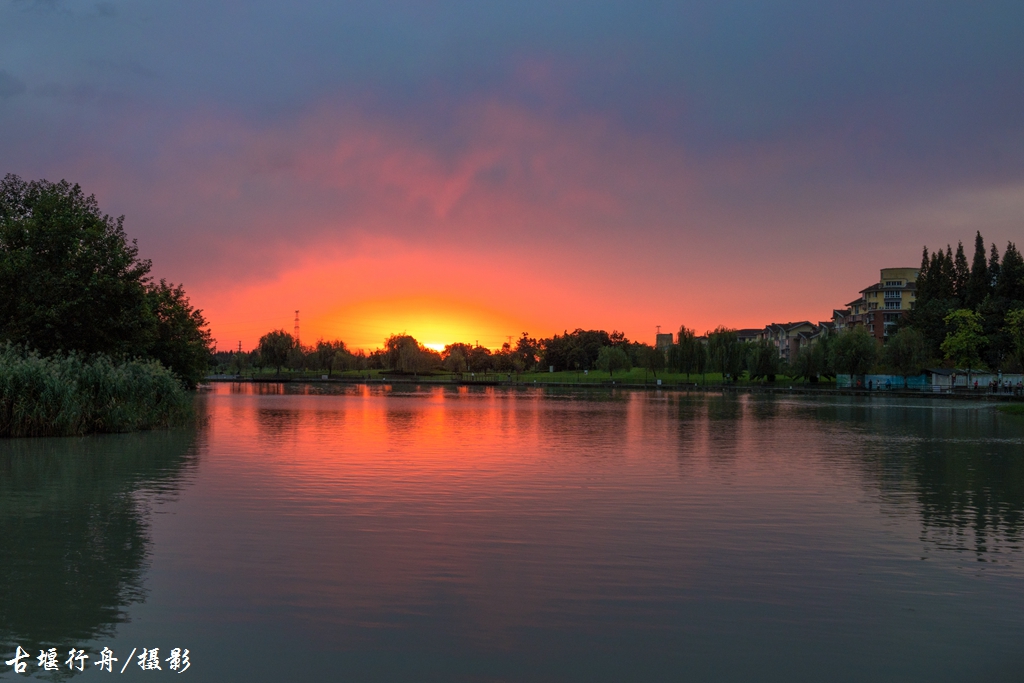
(495, 534)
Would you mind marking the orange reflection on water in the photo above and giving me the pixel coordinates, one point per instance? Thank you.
(362, 507)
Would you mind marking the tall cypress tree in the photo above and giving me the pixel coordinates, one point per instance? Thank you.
(961, 274)
(923, 290)
(993, 266)
(1010, 285)
(979, 284)
(946, 278)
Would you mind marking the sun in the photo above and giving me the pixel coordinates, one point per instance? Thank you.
(434, 323)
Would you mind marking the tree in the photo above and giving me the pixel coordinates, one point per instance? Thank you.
(527, 351)
(854, 351)
(964, 340)
(182, 342)
(275, 347)
(69, 278)
(557, 349)
(1015, 330)
(979, 284)
(240, 362)
(612, 358)
(807, 364)
(688, 347)
(453, 358)
(330, 354)
(961, 274)
(651, 359)
(71, 281)
(763, 361)
(906, 352)
(725, 352)
(1010, 285)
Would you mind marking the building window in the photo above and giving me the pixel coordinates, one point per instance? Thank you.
(891, 305)
(894, 283)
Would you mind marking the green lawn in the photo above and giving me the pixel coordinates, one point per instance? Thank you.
(639, 376)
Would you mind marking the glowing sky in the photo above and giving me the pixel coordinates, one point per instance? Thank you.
(466, 171)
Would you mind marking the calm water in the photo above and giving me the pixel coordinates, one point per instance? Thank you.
(495, 535)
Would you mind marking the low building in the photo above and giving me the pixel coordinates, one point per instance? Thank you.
(789, 338)
(749, 334)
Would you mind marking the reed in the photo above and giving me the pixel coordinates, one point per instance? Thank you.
(68, 395)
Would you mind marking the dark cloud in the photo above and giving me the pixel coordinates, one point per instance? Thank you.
(793, 123)
(10, 86)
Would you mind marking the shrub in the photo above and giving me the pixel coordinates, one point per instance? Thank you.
(67, 395)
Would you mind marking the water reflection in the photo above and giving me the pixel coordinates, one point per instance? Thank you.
(74, 530)
(962, 463)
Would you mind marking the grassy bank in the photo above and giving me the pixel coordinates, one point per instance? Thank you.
(1012, 408)
(634, 376)
(69, 395)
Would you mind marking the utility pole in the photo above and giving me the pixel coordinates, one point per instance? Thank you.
(296, 335)
(239, 346)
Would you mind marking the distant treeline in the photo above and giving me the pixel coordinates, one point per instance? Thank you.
(719, 351)
(966, 316)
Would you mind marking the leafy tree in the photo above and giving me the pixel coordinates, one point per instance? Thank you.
(69, 278)
(691, 354)
(182, 342)
(330, 354)
(453, 358)
(1015, 330)
(527, 352)
(807, 364)
(854, 351)
(578, 359)
(240, 362)
(503, 360)
(964, 341)
(557, 349)
(651, 359)
(763, 361)
(275, 347)
(71, 281)
(612, 358)
(725, 352)
(906, 352)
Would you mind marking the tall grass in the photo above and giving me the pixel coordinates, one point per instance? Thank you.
(66, 395)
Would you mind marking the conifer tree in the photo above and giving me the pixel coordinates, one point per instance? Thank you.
(979, 284)
(961, 274)
(1010, 285)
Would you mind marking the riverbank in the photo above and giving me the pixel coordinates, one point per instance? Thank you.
(652, 385)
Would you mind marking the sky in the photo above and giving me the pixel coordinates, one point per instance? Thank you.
(469, 171)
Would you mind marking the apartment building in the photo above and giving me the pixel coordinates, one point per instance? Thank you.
(881, 304)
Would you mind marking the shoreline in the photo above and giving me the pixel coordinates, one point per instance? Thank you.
(649, 386)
